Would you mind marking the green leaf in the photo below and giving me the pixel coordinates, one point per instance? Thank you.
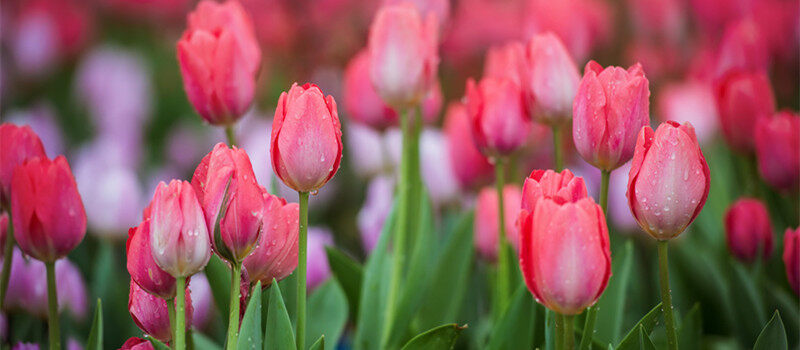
(611, 306)
(202, 342)
(95, 341)
(289, 291)
(773, 336)
(250, 331)
(327, 308)
(646, 324)
(157, 344)
(513, 328)
(748, 307)
(645, 343)
(690, 333)
(550, 330)
(319, 344)
(279, 334)
(442, 337)
(219, 278)
(349, 273)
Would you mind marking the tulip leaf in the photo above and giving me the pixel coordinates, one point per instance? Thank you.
(646, 324)
(781, 300)
(200, 341)
(279, 334)
(611, 306)
(289, 291)
(95, 341)
(442, 337)
(645, 343)
(748, 307)
(349, 273)
(250, 333)
(513, 328)
(327, 307)
(219, 279)
(690, 333)
(773, 336)
(319, 344)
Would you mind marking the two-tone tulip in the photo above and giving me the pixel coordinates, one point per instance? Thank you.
(550, 79)
(17, 144)
(150, 312)
(669, 180)
(141, 265)
(487, 237)
(275, 255)
(748, 230)
(469, 165)
(496, 109)
(777, 143)
(742, 98)
(791, 257)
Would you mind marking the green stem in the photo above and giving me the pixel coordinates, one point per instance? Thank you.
(180, 313)
(301, 272)
(502, 254)
(8, 257)
(171, 314)
(606, 177)
(591, 312)
(666, 295)
(569, 332)
(231, 135)
(52, 307)
(233, 316)
(559, 330)
(557, 147)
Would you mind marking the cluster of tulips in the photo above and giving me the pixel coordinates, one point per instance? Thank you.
(551, 229)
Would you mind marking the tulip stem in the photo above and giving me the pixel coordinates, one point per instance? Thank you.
(52, 307)
(503, 270)
(171, 314)
(233, 316)
(231, 135)
(591, 312)
(8, 257)
(180, 313)
(666, 295)
(301, 272)
(569, 332)
(557, 147)
(559, 330)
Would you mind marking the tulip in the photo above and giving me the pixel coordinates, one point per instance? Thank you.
(777, 143)
(43, 120)
(470, 167)
(564, 254)
(610, 107)
(548, 184)
(150, 313)
(743, 47)
(227, 190)
(748, 231)
(17, 144)
(306, 142)
(362, 102)
(791, 257)
(506, 61)
(275, 255)
(742, 98)
(403, 57)
(487, 237)
(500, 125)
(550, 79)
(219, 59)
(141, 265)
(669, 180)
(134, 343)
(377, 205)
(318, 269)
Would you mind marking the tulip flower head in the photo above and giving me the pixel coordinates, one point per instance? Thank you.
(791, 257)
(563, 186)
(550, 79)
(362, 102)
(141, 265)
(275, 255)
(17, 144)
(500, 124)
(742, 98)
(747, 230)
(150, 313)
(487, 237)
(469, 165)
(134, 343)
(777, 141)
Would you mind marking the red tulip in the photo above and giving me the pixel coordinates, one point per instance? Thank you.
(610, 107)
(543, 184)
(777, 142)
(150, 313)
(742, 98)
(550, 79)
(219, 59)
(179, 239)
(134, 343)
(500, 124)
(141, 265)
(17, 144)
(486, 225)
(275, 256)
(747, 229)
(403, 55)
(46, 208)
(226, 174)
(669, 180)
(791, 257)
(564, 254)
(506, 61)
(306, 142)
(470, 167)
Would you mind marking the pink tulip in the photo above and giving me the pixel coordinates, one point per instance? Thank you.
(791, 257)
(743, 97)
(46, 208)
(550, 79)
(777, 142)
(306, 143)
(747, 230)
(275, 255)
(487, 237)
(496, 109)
(141, 265)
(743, 47)
(669, 180)
(690, 101)
(17, 144)
(150, 313)
(471, 168)
(564, 254)
(541, 184)
(134, 343)
(611, 105)
(506, 61)
(179, 238)
(219, 59)
(403, 54)
(362, 102)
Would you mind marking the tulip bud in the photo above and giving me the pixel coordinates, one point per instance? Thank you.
(540, 184)
(275, 255)
(791, 257)
(46, 208)
(318, 270)
(564, 254)
(306, 143)
(669, 180)
(179, 239)
(747, 230)
(471, 168)
(362, 102)
(487, 237)
(150, 313)
(17, 144)
(141, 265)
(227, 190)
(403, 55)
(777, 142)
(500, 125)
(219, 59)
(506, 61)
(550, 79)
(134, 343)
(610, 107)
(743, 97)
